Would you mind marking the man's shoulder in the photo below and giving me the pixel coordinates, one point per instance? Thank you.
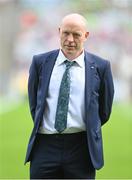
(43, 56)
(95, 58)
(100, 63)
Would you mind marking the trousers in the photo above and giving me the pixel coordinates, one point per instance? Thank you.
(61, 156)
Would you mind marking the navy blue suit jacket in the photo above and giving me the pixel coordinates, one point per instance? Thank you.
(99, 92)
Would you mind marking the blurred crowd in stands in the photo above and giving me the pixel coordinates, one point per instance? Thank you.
(110, 27)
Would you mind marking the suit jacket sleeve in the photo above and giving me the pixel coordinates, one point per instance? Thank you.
(32, 87)
(106, 95)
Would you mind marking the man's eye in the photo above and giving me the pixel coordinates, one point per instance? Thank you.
(66, 33)
(76, 35)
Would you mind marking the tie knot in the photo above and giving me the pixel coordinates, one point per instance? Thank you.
(69, 64)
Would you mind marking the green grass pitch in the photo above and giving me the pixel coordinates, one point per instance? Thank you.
(16, 125)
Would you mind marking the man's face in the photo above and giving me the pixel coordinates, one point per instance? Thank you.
(72, 37)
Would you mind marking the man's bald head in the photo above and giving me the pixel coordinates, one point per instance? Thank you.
(75, 18)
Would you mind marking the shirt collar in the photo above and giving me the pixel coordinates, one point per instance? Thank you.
(79, 60)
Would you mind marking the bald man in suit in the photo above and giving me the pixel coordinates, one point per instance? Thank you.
(70, 96)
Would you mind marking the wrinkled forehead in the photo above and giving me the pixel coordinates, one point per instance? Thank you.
(72, 26)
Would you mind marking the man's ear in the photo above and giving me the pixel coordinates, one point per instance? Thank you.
(59, 30)
(86, 35)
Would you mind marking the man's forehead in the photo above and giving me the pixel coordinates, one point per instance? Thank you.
(73, 23)
(72, 27)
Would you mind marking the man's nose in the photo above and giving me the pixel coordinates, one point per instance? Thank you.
(70, 38)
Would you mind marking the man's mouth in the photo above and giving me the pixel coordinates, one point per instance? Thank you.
(70, 46)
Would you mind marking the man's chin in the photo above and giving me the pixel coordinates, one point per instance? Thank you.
(70, 53)
(70, 50)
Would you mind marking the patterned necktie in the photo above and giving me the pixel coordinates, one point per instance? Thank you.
(63, 100)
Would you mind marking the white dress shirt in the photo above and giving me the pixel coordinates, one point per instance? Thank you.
(75, 117)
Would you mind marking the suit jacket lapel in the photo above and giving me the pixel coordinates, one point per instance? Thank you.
(89, 74)
(47, 68)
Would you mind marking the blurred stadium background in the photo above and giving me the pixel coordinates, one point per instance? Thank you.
(29, 27)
